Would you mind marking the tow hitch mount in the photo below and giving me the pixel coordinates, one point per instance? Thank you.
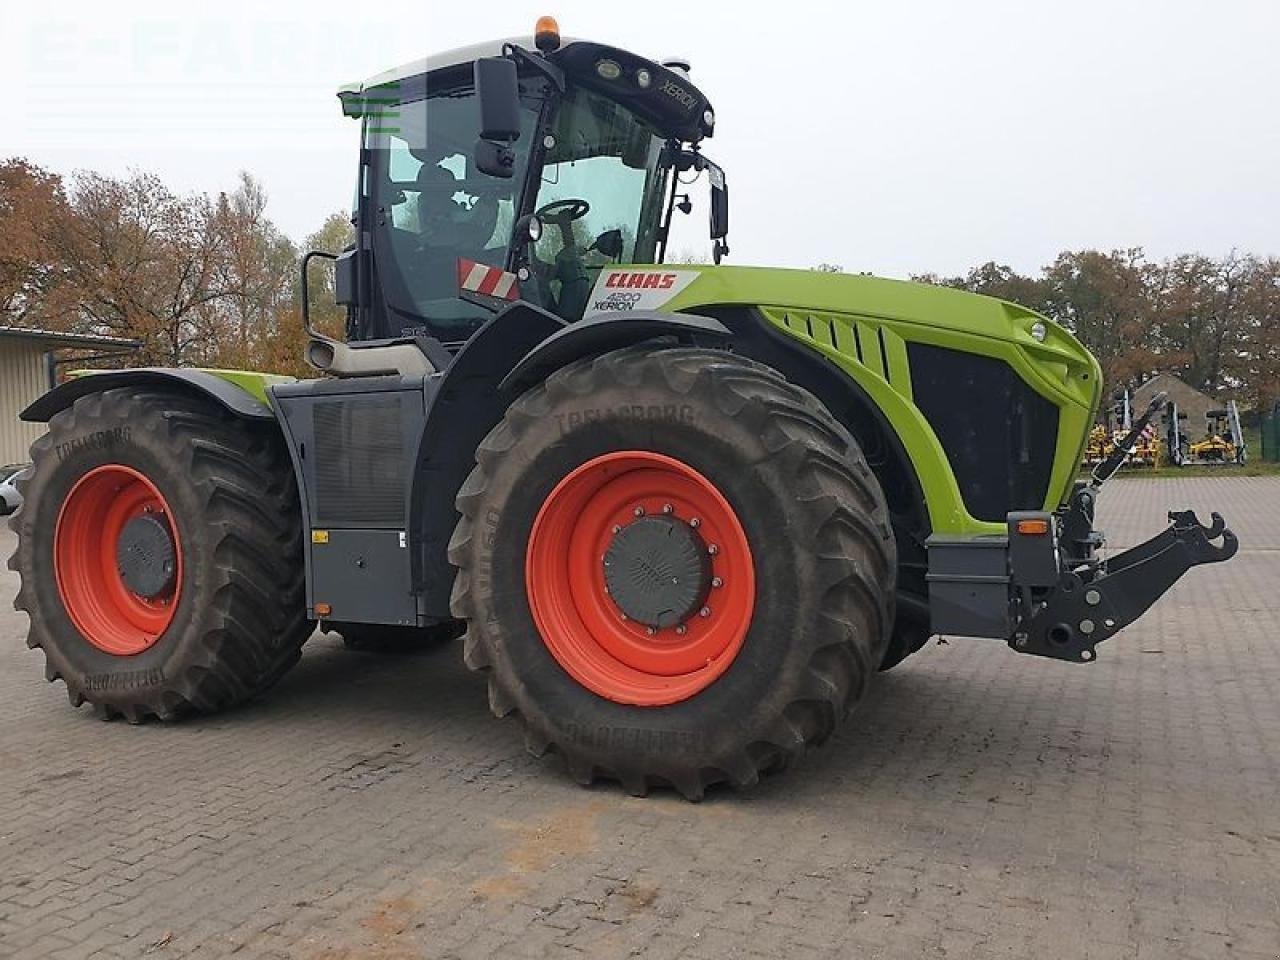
(1090, 605)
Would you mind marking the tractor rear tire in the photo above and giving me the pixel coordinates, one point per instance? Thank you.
(160, 555)
(706, 445)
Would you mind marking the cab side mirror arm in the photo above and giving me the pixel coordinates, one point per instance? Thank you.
(522, 57)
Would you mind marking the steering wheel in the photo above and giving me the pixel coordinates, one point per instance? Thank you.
(561, 213)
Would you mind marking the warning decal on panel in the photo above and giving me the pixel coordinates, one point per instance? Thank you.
(621, 289)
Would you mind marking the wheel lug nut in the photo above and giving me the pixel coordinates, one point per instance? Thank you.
(695, 523)
(682, 629)
(616, 528)
(638, 511)
(668, 508)
(704, 612)
(717, 582)
(713, 549)
(623, 616)
(650, 631)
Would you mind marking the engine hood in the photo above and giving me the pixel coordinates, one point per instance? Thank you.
(1061, 365)
(878, 298)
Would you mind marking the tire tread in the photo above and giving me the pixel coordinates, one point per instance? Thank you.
(837, 496)
(245, 480)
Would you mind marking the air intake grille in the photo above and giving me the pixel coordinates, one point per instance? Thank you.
(360, 461)
(999, 434)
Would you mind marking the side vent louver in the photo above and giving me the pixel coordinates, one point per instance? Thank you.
(359, 451)
(862, 341)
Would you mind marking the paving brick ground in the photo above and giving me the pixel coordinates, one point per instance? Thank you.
(981, 804)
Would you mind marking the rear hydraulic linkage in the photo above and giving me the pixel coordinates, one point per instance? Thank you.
(1095, 598)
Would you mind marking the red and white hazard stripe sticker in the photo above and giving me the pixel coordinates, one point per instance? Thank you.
(490, 281)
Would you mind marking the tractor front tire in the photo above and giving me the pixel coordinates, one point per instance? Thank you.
(676, 568)
(160, 555)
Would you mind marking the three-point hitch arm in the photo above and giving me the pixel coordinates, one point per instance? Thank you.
(1093, 597)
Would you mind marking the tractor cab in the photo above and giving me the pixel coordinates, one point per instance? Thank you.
(496, 174)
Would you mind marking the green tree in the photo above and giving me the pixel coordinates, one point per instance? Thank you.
(1107, 300)
(31, 199)
(1256, 361)
(256, 268)
(1198, 305)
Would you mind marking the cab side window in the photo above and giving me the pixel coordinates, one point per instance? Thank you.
(433, 209)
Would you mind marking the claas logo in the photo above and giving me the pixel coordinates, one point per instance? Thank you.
(640, 281)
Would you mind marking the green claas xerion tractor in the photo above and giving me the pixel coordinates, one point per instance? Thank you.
(683, 513)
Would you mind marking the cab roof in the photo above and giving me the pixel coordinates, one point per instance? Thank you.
(447, 58)
(670, 101)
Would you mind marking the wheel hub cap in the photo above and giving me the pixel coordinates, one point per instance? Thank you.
(658, 571)
(145, 556)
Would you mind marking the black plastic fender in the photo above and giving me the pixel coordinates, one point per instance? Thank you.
(610, 331)
(199, 382)
(462, 409)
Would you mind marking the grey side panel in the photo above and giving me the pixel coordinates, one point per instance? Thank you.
(969, 586)
(364, 577)
(352, 444)
(198, 382)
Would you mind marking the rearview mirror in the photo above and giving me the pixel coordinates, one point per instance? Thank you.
(719, 202)
(498, 91)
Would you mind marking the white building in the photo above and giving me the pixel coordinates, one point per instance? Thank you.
(29, 362)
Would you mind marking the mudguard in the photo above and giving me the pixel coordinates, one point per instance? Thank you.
(463, 407)
(241, 393)
(610, 331)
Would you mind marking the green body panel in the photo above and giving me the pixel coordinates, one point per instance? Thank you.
(831, 313)
(250, 381)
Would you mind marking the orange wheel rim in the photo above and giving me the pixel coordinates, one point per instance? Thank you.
(86, 562)
(587, 629)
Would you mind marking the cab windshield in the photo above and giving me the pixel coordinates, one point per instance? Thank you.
(600, 197)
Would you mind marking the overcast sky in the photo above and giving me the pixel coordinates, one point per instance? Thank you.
(895, 137)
